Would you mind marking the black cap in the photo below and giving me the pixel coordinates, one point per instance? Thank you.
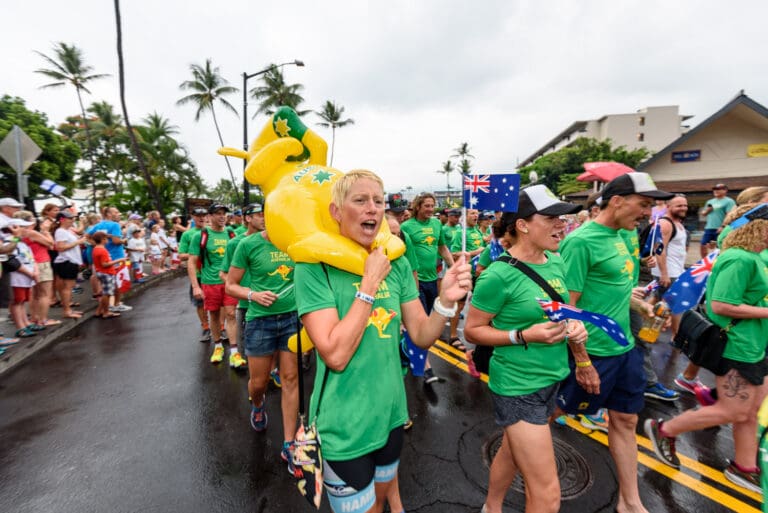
(253, 208)
(65, 213)
(634, 183)
(199, 211)
(453, 211)
(216, 207)
(720, 186)
(538, 199)
(396, 203)
(237, 212)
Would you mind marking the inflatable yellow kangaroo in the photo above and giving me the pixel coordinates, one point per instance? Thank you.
(287, 160)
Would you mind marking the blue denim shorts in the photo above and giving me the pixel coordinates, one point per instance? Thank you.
(265, 335)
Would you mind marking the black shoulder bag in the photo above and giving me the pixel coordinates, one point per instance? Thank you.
(701, 340)
(482, 354)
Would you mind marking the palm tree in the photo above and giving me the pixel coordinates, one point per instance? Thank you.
(446, 170)
(134, 143)
(68, 67)
(462, 153)
(276, 93)
(331, 115)
(209, 88)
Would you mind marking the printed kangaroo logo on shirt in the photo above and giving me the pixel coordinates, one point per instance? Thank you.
(220, 250)
(380, 319)
(629, 267)
(283, 270)
(429, 240)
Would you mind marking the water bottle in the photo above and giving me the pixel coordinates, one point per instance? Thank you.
(652, 326)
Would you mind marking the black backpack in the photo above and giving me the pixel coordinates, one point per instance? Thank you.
(646, 232)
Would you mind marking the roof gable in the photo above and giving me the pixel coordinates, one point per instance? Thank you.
(740, 99)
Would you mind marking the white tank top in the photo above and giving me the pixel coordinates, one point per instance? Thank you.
(676, 252)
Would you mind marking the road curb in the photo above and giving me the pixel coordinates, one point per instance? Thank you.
(24, 350)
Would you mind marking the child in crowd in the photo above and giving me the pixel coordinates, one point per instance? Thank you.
(155, 251)
(105, 271)
(137, 247)
(173, 245)
(22, 281)
(165, 246)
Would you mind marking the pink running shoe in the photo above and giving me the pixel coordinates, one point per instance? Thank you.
(704, 395)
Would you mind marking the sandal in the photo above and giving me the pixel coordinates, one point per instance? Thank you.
(73, 315)
(51, 322)
(36, 327)
(55, 304)
(458, 344)
(74, 304)
(25, 332)
(110, 315)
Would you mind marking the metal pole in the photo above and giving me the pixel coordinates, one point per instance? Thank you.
(246, 185)
(19, 164)
(246, 76)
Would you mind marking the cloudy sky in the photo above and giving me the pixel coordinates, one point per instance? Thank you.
(418, 77)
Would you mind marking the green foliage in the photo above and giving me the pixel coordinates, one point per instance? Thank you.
(276, 92)
(331, 115)
(57, 162)
(558, 170)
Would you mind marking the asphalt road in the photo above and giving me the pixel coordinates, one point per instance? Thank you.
(127, 415)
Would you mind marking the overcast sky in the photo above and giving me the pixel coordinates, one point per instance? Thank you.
(418, 77)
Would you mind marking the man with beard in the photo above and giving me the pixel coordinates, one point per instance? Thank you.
(600, 278)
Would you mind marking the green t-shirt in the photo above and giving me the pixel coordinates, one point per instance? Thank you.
(720, 207)
(485, 257)
(410, 251)
(427, 237)
(450, 232)
(215, 248)
(240, 229)
(474, 240)
(185, 238)
(364, 402)
(511, 295)
(229, 255)
(724, 234)
(632, 241)
(268, 268)
(600, 266)
(184, 243)
(740, 277)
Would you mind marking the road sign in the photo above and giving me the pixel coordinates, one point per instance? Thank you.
(20, 152)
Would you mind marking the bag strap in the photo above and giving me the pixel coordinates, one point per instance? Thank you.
(533, 275)
(302, 411)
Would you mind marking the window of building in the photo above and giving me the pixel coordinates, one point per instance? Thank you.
(641, 121)
(640, 136)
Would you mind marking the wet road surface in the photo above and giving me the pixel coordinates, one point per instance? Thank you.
(128, 416)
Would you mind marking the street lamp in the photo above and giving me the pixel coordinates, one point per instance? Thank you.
(246, 76)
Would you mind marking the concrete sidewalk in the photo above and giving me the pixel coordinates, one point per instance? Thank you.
(26, 348)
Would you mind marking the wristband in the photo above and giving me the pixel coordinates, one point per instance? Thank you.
(587, 363)
(362, 296)
(15, 239)
(522, 340)
(249, 296)
(444, 311)
(513, 338)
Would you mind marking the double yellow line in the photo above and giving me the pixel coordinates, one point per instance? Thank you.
(457, 358)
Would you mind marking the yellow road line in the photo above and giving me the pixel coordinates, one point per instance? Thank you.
(694, 484)
(457, 358)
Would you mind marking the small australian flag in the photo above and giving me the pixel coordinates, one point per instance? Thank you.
(557, 311)
(492, 192)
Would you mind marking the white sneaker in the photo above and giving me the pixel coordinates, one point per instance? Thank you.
(122, 307)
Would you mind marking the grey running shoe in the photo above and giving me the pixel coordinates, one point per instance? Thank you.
(663, 446)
